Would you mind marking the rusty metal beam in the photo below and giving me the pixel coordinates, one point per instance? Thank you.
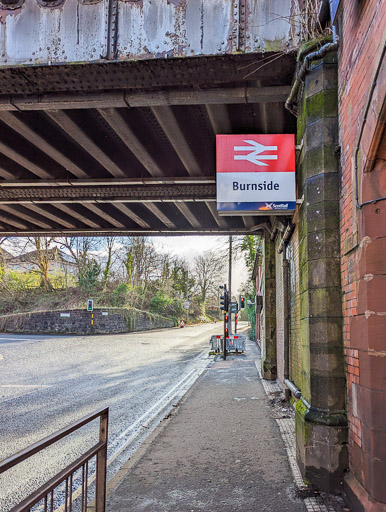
(6, 174)
(69, 211)
(24, 161)
(220, 221)
(111, 194)
(32, 218)
(164, 180)
(104, 215)
(133, 216)
(83, 139)
(249, 222)
(172, 130)
(19, 126)
(155, 210)
(187, 213)
(124, 232)
(219, 119)
(12, 221)
(224, 95)
(122, 99)
(128, 137)
(80, 231)
(54, 217)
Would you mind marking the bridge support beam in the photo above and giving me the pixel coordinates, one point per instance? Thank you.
(321, 424)
(268, 335)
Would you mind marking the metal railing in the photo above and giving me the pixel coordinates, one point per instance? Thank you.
(45, 495)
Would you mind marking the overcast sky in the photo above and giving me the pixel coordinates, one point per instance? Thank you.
(190, 246)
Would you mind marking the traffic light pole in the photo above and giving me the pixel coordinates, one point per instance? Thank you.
(225, 306)
(230, 283)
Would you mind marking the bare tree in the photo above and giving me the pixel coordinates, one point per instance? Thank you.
(81, 250)
(208, 270)
(111, 255)
(41, 257)
(140, 261)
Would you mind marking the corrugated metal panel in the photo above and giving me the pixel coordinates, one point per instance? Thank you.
(147, 29)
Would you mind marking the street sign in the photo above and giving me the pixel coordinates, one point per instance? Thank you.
(186, 305)
(255, 174)
(90, 305)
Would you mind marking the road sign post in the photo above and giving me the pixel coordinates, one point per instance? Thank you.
(186, 306)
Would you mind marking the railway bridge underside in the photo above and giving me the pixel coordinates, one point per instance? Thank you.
(103, 132)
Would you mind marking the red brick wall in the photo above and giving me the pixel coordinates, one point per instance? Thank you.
(363, 244)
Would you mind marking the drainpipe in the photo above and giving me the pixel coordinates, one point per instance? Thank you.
(283, 250)
(299, 78)
(286, 315)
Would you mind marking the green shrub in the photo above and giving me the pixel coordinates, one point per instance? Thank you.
(118, 297)
(159, 303)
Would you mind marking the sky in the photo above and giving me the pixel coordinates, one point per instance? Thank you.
(190, 246)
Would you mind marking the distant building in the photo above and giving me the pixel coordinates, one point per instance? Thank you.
(29, 261)
(5, 256)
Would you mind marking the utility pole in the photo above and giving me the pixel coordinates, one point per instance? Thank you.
(187, 296)
(230, 284)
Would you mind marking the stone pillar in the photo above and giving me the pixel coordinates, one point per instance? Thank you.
(268, 342)
(321, 423)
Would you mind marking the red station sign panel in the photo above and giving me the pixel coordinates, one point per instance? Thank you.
(255, 173)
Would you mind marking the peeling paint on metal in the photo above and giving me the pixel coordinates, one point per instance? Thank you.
(78, 30)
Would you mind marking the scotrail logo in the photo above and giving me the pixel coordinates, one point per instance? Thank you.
(255, 149)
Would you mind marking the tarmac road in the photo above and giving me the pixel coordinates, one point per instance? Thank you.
(48, 382)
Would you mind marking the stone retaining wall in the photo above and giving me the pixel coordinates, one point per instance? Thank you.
(80, 321)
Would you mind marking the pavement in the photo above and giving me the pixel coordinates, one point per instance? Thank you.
(220, 450)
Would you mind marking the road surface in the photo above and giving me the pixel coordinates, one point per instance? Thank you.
(48, 382)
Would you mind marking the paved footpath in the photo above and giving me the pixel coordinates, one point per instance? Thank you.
(220, 451)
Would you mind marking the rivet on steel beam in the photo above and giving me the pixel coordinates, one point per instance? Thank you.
(11, 4)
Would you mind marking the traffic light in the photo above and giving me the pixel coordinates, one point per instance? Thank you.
(242, 302)
(226, 330)
(90, 305)
(224, 302)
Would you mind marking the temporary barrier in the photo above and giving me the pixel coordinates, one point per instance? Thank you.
(235, 343)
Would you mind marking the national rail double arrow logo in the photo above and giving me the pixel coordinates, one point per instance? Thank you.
(255, 156)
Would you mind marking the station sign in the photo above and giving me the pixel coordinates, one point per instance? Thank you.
(255, 174)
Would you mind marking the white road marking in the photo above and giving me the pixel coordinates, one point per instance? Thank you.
(1, 357)
(17, 339)
(23, 386)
